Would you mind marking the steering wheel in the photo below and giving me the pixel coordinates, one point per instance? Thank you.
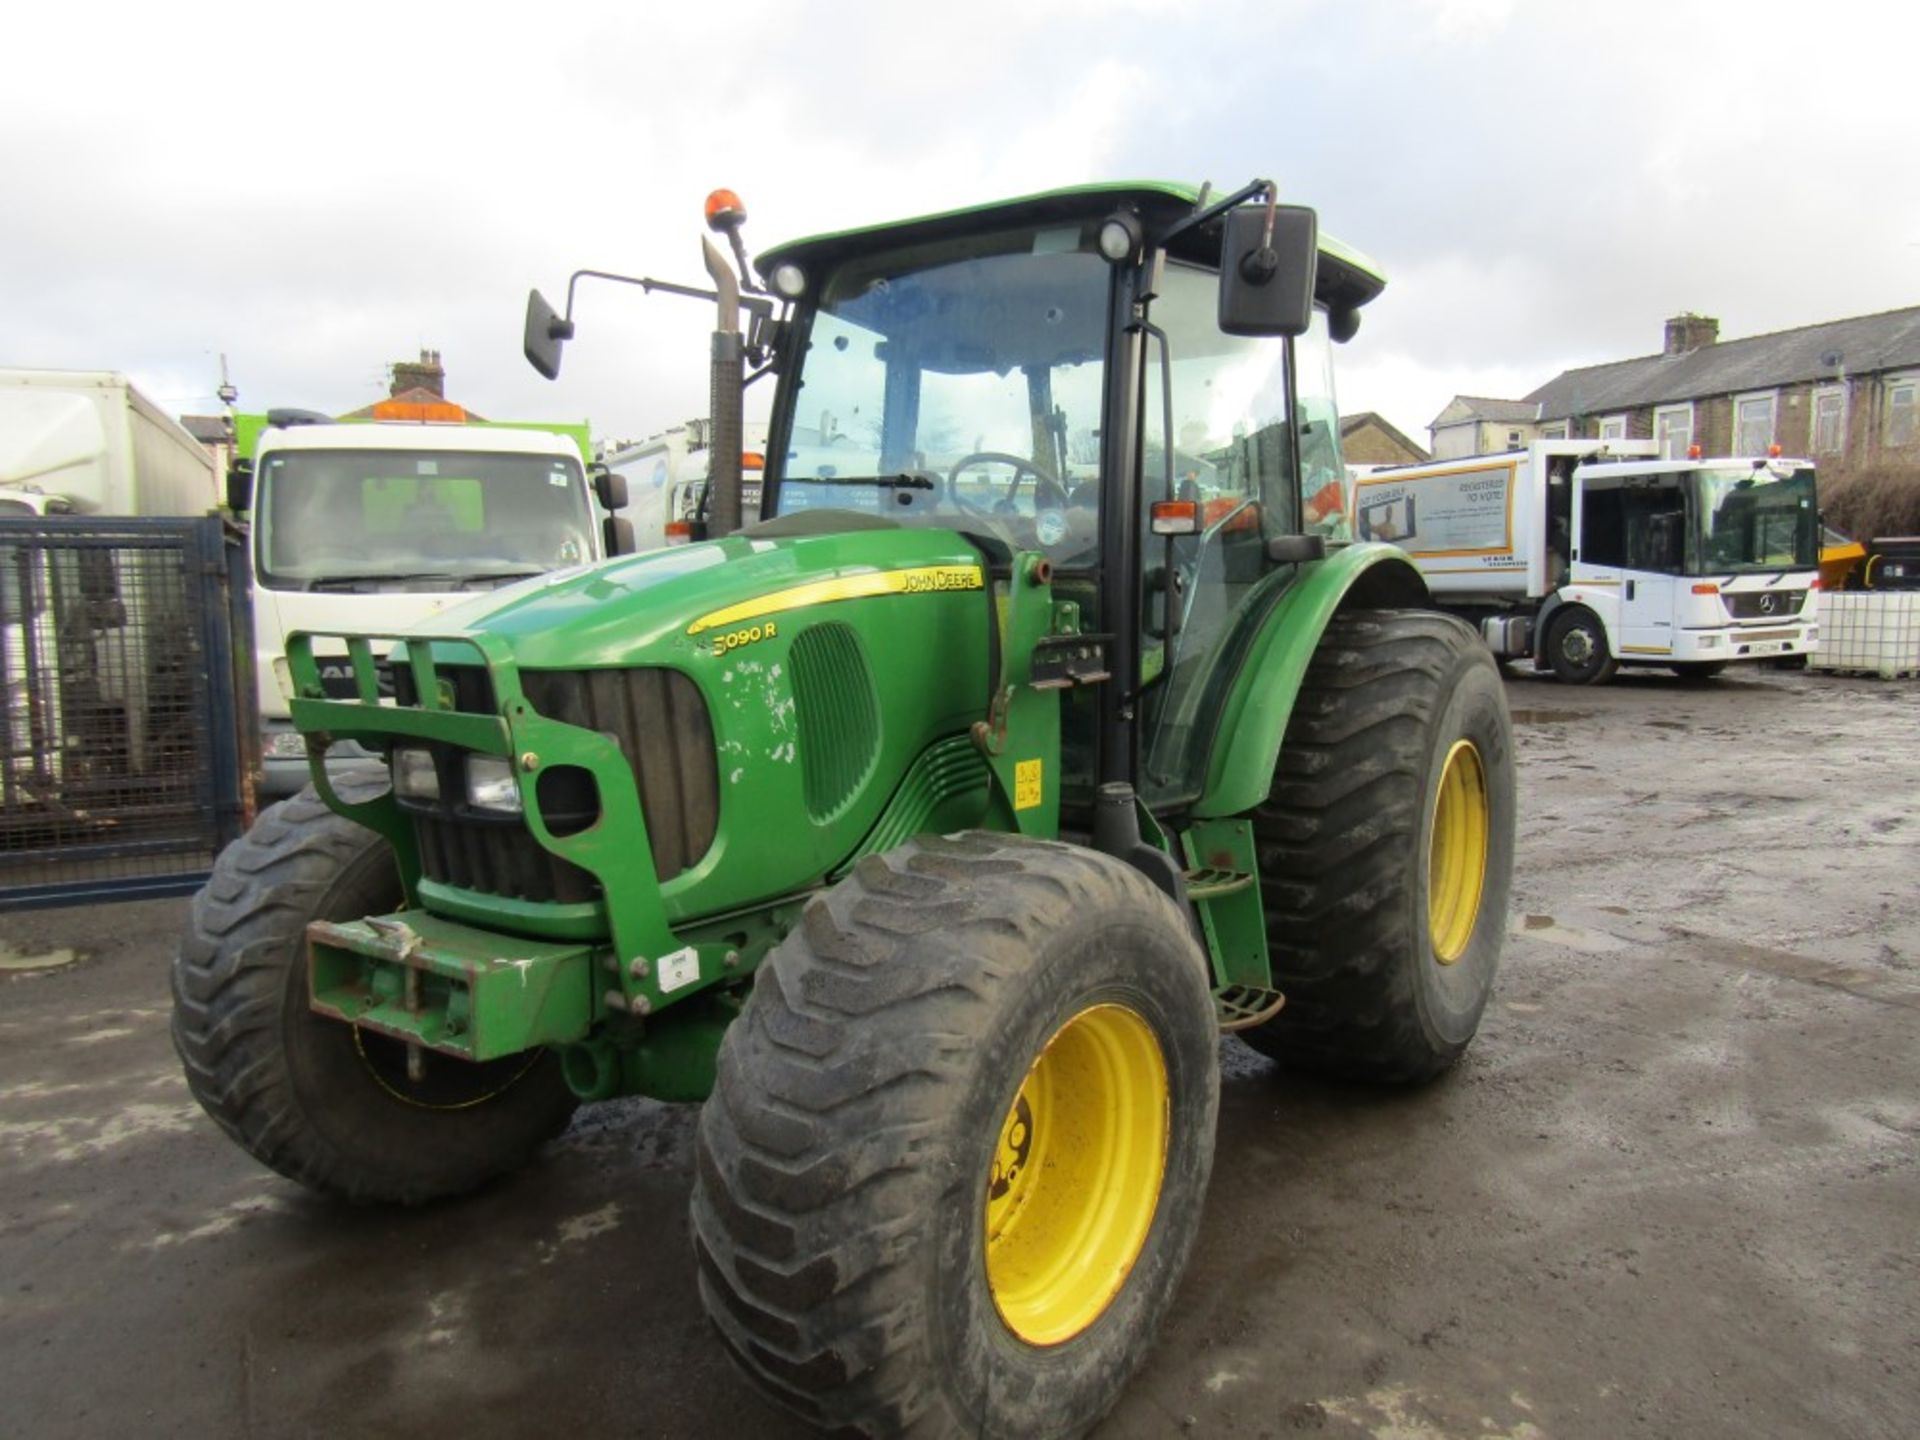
(1048, 493)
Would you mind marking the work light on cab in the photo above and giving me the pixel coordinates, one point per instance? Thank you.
(789, 281)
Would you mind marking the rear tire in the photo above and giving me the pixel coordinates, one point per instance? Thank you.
(1386, 850)
(316, 1099)
(1577, 648)
(914, 1125)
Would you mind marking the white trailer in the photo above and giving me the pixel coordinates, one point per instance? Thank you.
(86, 443)
(1588, 555)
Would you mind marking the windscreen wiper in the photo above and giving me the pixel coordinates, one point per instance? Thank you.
(387, 577)
(904, 480)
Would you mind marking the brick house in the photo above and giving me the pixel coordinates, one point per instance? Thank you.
(1845, 394)
(1479, 425)
(1371, 439)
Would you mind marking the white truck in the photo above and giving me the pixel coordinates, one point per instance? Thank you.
(1588, 555)
(87, 642)
(374, 526)
(667, 480)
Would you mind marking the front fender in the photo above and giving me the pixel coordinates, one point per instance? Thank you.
(1254, 719)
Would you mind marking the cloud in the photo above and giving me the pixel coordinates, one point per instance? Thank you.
(1543, 182)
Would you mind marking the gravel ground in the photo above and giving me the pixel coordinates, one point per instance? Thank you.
(1672, 1191)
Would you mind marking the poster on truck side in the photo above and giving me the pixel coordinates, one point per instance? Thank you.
(1456, 512)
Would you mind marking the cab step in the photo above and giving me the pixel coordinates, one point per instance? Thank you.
(1241, 1007)
(1207, 883)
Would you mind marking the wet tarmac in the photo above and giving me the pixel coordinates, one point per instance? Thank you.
(1674, 1190)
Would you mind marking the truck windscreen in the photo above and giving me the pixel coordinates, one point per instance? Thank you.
(370, 519)
(1749, 518)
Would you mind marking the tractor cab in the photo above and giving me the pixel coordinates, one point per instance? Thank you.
(1062, 375)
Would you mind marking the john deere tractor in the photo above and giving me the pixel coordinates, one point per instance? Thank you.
(927, 824)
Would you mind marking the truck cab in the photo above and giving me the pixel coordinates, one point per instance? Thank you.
(1695, 563)
(376, 526)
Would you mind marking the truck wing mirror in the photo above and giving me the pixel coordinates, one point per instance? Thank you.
(610, 487)
(617, 531)
(1267, 277)
(240, 486)
(546, 332)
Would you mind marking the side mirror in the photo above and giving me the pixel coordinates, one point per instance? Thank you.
(1267, 288)
(545, 333)
(617, 532)
(610, 487)
(240, 486)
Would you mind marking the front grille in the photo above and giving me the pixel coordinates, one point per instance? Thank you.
(496, 858)
(1763, 604)
(660, 722)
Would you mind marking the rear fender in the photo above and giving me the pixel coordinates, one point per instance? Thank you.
(1254, 719)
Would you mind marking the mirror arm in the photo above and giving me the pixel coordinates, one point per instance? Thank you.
(1198, 217)
(753, 305)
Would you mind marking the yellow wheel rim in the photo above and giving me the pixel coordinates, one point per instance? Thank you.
(1076, 1175)
(1457, 852)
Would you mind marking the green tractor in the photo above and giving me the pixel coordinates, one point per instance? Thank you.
(928, 825)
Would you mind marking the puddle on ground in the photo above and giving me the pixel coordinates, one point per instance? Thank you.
(1548, 717)
(12, 960)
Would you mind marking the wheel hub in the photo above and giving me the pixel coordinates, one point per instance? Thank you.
(1577, 645)
(1075, 1178)
(1457, 852)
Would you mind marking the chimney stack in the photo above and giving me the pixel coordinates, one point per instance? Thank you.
(1689, 332)
(425, 374)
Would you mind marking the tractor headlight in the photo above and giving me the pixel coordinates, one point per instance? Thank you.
(415, 776)
(491, 786)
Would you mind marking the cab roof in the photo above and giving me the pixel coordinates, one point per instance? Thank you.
(1347, 278)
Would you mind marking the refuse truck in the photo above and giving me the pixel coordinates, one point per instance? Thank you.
(388, 520)
(94, 647)
(927, 823)
(1583, 556)
(667, 480)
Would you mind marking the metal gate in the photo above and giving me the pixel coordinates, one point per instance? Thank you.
(128, 727)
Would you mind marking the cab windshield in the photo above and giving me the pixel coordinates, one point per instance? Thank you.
(411, 519)
(1748, 519)
(959, 385)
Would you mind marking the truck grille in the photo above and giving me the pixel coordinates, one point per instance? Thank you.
(1763, 604)
(660, 722)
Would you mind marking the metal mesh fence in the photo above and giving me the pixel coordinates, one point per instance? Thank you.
(120, 762)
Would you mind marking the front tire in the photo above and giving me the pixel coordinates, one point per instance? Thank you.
(955, 1160)
(1386, 850)
(1577, 648)
(318, 1100)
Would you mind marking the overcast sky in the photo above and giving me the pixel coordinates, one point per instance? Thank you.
(317, 192)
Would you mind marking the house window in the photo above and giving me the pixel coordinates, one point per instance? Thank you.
(1554, 432)
(1753, 423)
(1900, 407)
(1513, 439)
(1673, 428)
(1613, 427)
(1829, 421)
